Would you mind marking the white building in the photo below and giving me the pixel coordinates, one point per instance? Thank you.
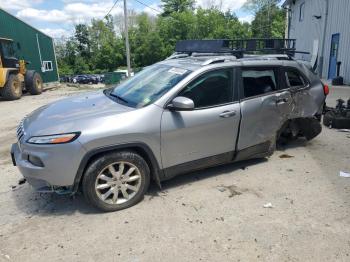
(323, 26)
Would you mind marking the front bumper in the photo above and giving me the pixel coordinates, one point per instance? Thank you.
(58, 168)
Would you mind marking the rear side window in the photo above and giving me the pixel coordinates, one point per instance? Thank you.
(294, 79)
(210, 89)
(258, 81)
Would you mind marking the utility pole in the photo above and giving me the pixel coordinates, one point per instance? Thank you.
(127, 39)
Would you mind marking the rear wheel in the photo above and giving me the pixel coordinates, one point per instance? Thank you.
(34, 82)
(309, 127)
(116, 181)
(12, 89)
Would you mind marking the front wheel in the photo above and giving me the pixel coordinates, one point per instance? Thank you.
(116, 181)
(12, 89)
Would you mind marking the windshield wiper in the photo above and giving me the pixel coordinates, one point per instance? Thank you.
(119, 98)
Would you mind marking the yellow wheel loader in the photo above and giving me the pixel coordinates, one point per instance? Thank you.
(14, 77)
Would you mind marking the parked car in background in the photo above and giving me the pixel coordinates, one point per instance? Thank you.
(65, 79)
(182, 114)
(102, 78)
(85, 79)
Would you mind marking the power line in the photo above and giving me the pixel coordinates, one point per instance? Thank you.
(148, 6)
(110, 10)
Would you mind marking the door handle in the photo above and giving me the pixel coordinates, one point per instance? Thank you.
(281, 101)
(227, 114)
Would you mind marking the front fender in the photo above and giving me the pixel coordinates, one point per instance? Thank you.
(141, 148)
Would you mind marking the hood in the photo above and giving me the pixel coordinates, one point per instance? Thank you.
(72, 114)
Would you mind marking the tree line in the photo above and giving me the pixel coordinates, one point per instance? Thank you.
(100, 46)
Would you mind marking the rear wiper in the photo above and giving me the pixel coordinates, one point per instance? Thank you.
(119, 97)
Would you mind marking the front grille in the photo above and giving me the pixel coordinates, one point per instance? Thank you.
(20, 131)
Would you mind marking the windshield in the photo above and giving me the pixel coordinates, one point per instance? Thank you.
(148, 85)
(8, 49)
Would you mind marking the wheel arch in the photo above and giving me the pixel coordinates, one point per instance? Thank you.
(140, 148)
(5, 73)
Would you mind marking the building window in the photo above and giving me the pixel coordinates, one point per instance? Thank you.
(301, 12)
(47, 66)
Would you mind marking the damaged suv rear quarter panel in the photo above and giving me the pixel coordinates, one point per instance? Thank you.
(262, 118)
(307, 101)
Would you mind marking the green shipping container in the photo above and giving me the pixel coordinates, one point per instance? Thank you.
(113, 77)
(32, 45)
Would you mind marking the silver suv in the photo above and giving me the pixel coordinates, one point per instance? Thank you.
(185, 113)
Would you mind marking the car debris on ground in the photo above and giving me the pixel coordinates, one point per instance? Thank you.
(344, 130)
(338, 117)
(344, 174)
(268, 205)
(285, 156)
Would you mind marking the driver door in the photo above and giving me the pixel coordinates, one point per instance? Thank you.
(207, 134)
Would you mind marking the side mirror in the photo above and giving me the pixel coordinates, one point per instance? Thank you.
(181, 103)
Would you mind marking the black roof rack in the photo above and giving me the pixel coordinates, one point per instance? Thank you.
(239, 47)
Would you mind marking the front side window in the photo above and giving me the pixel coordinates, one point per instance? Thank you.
(148, 85)
(211, 89)
(258, 81)
(294, 79)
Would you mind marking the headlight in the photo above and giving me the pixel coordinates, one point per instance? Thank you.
(53, 139)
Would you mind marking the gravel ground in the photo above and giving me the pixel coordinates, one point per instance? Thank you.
(211, 215)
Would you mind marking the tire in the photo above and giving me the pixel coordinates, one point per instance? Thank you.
(12, 89)
(34, 82)
(109, 193)
(328, 118)
(309, 127)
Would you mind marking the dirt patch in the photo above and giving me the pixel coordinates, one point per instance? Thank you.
(5, 155)
(236, 191)
(285, 156)
(9, 128)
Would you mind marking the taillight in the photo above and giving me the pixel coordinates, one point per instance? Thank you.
(326, 90)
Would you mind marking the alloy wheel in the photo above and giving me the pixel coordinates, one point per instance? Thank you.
(118, 183)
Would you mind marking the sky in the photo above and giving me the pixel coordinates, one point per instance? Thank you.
(58, 17)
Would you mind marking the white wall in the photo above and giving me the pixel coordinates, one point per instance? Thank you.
(311, 29)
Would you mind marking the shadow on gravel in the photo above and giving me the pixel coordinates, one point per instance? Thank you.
(299, 142)
(25, 94)
(34, 204)
(192, 177)
(46, 204)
